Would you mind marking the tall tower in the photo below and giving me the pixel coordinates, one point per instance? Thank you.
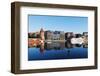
(42, 34)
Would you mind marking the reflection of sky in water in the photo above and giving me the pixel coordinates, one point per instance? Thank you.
(51, 52)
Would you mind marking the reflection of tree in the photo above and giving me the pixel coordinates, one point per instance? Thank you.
(38, 46)
(85, 45)
(78, 45)
(68, 44)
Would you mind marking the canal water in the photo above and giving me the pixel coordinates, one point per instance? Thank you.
(57, 50)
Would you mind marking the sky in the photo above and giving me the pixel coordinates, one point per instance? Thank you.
(58, 23)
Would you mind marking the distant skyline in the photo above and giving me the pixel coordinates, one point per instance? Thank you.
(58, 23)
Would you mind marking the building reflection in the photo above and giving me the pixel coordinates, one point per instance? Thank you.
(42, 47)
(58, 46)
(54, 45)
(68, 44)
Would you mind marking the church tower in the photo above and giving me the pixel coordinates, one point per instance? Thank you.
(42, 34)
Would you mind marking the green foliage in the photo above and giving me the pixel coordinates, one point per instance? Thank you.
(33, 35)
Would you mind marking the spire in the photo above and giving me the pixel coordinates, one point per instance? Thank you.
(41, 30)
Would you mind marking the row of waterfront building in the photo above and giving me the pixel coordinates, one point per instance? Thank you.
(55, 35)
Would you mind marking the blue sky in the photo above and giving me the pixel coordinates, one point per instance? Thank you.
(58, 23)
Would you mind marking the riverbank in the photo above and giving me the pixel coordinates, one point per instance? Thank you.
(38, 41)
(55, 40)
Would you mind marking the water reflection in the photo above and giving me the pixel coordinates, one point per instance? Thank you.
(57, 50)
(59, 46)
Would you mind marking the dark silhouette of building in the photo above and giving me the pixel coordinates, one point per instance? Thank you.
(54, 35)
(85, 33)
(77, 35)
(69, 35)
